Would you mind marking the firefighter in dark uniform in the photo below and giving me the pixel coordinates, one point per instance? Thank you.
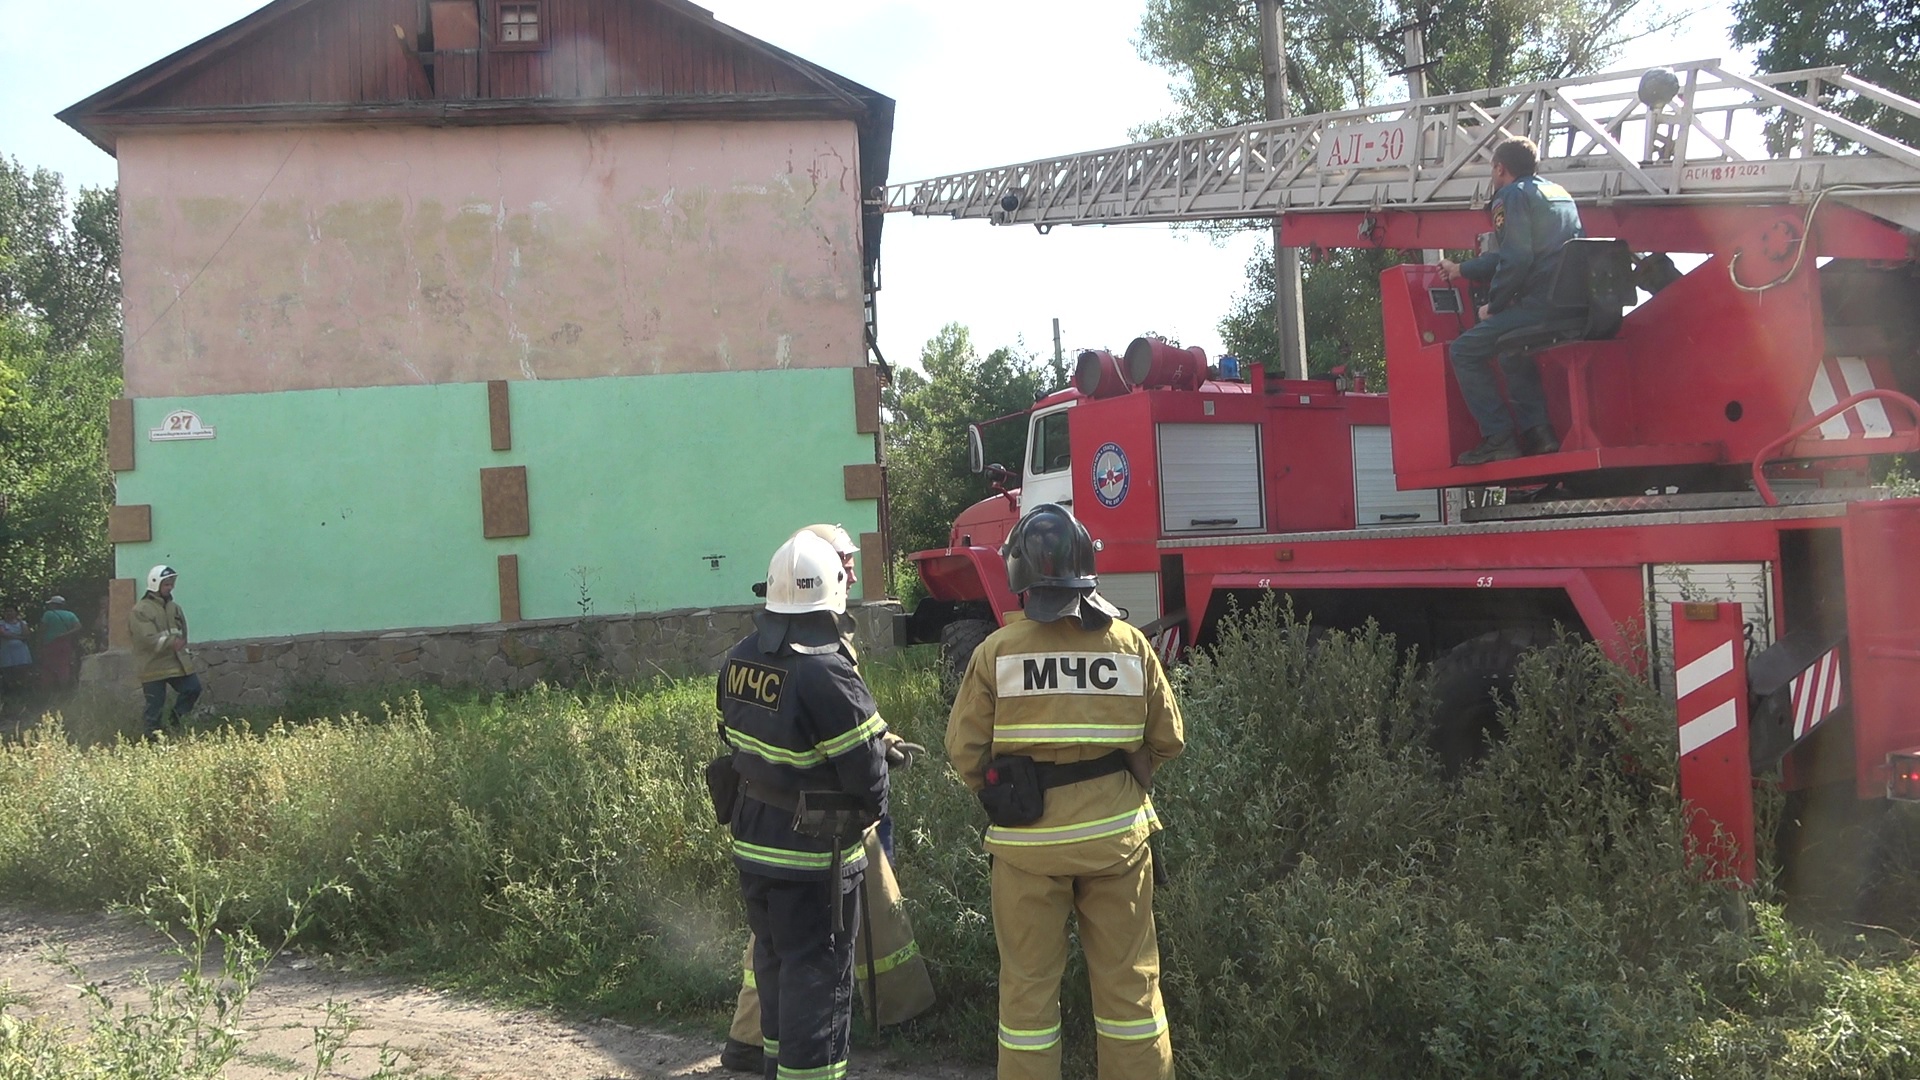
(1060, 721)
(1532, 221)
(889, 967)
(808, 748)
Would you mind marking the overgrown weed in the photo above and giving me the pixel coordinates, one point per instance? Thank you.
(1336, 906)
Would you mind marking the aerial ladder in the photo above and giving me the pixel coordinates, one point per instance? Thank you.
(1731, 418)
(1689, 159)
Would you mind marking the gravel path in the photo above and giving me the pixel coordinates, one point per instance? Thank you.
(436, 1034)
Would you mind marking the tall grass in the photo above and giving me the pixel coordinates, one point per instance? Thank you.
(1335, 907)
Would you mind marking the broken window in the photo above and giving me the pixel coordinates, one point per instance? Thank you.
(518, 23)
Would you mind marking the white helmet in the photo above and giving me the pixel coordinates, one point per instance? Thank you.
(805, 575)
(837, 536)
(159, 574)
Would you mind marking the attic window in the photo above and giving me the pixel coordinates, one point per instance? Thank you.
(518, 24)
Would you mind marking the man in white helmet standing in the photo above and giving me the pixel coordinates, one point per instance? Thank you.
(810, 757)
(158, 630)
(887, 965)
(1060, 721)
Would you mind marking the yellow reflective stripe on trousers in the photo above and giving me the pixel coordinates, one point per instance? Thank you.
(1028, 836)
(770, 1047)
(748, 980)
(794, 860)
(1150, 1028)
(842, 743)
(779, 755)
(835, 1071)
(890, 961)
(1102, 734)
(1029, 1038)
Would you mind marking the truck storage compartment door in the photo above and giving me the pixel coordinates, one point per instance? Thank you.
(1137, 594)
(1748, 584)
(1376, 499)
(1883, 635)
(1210, 479)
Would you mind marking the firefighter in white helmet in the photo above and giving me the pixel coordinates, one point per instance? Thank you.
(811, 767)
(158, 630)
(897, 986)
(1060, 721)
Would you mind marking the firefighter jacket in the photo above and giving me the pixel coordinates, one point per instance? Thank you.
(798, 721)
(1056, 693)
(1532, 221)
(151, 627)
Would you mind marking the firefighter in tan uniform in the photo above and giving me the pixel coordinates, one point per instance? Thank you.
(896, 987)
(1060, 721)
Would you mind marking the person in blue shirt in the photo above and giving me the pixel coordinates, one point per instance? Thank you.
(1533, 219)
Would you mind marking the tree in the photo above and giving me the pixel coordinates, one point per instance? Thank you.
(59, 367)
(62, 264)
(1339, 54)
(1877, 40)
(927, 417)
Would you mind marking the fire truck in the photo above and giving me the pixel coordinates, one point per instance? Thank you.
(1711, 517)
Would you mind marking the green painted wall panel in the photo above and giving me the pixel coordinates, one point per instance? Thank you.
(353, 510)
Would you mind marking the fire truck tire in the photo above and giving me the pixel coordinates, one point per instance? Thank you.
(958, 639)
(1470, 683)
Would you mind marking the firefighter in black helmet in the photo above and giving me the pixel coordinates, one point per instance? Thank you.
(1060, 721)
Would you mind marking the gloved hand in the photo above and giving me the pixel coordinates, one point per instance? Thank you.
(901, 754)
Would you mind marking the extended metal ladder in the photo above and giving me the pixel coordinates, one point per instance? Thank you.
(1598, 137)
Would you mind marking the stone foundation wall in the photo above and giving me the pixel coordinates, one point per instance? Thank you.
(514, 656)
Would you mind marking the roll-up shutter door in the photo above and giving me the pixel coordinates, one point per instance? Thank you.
(1376, 500)
(1210, 478)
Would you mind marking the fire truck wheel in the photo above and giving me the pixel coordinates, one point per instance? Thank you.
(958, 639)
(1470, 682)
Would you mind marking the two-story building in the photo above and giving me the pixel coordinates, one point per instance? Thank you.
(456, 313)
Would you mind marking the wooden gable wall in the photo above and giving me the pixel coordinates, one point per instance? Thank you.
(346, 52)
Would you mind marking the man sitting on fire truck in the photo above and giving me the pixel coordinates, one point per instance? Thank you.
(1532, 221)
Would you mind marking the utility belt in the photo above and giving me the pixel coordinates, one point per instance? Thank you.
(820, 814)
(833, 816)
(1016, 786)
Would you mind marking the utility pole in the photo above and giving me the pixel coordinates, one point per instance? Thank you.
(1059, 358)
(1288, 318)
(1415, 36)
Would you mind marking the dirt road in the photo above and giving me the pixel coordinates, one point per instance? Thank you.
(436, 1035)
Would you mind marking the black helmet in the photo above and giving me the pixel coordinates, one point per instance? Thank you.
(1049, 546)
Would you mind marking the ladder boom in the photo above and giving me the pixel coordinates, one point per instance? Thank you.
(1598, 137)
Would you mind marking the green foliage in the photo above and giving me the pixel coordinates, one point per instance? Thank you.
(59, 367)
(1877, 40)
(1333, 904)
(927, 418)
(1340, 333)
(61, 264)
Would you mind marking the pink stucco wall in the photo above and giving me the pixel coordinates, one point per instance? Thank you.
(282, 259)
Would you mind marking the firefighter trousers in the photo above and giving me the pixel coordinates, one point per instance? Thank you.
(1115, 909)
(900, 978)
(804, 971)
(1472, 354)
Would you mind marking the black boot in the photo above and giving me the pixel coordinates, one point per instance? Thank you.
(1539, 440)
(741, 1057)
(1492, 448)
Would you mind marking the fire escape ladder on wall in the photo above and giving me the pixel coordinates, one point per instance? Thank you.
(1626, 137)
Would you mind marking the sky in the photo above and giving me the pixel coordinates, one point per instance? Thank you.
(978, 84)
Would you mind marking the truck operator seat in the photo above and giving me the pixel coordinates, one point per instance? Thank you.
(1592, 287)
